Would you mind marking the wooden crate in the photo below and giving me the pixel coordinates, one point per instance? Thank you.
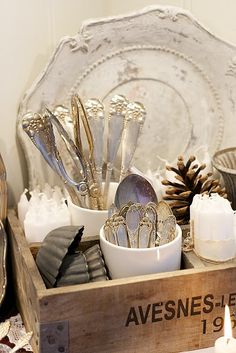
(168, 312)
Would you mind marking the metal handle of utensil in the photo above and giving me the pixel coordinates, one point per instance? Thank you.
(82, 115)
(40, 130)
(118, 105)
(134, 119)
(96, 116)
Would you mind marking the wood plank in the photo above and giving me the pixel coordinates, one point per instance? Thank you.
(154, 314)
(27, 280)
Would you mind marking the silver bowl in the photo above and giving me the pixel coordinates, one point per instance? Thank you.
(225, 162)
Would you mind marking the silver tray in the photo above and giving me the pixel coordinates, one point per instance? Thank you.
(3, 257)
(3, 236)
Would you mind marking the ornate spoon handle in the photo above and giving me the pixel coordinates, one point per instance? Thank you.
(169, 230)
(116, 118)
(40, 131)
(75, 120)
(135, 117)
(133, 217)
(95, 113)
(109, 232)
(80, 115)
(145, 233)
(151, 214)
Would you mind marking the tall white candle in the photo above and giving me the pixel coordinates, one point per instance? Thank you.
(226, 344)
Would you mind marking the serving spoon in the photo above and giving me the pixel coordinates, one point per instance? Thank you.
(136, 189)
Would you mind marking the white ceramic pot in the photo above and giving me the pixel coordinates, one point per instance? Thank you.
(126, 262)
(92, 220)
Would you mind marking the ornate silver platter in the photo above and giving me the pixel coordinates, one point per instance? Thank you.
(160, 56)
(3, 236)
(3, 254)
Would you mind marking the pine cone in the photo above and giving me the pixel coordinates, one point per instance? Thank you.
(190, 182)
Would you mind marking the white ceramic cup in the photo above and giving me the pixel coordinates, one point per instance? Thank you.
(126, 262)
(92, 220)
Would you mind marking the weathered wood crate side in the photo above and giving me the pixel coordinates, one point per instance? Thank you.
(169, 312)
(27, 280)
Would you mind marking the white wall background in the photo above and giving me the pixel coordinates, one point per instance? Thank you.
(30, 30)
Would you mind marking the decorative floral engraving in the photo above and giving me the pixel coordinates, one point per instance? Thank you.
(80, 42)
(171, 13)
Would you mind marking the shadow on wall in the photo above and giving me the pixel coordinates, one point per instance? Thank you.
(12, 173)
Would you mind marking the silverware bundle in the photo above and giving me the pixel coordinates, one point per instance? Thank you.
(138, 226)
(85, 149)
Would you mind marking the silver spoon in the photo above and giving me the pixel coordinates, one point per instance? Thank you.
(95, 112)
(134, 188)
(134, 119)
(133, 218)
(116, 121)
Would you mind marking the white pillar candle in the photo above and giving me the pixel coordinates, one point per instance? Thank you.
(212, 227)
(226, 344)
(235, 224)
(47, 211)
(194, 214)
(47, 191)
